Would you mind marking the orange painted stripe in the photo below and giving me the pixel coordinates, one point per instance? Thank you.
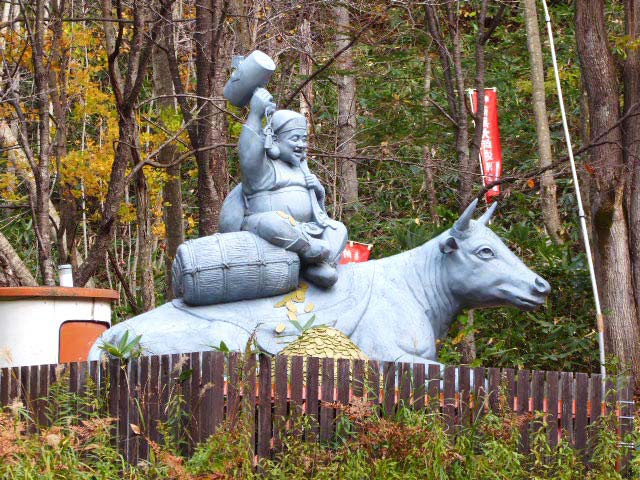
(57, 292)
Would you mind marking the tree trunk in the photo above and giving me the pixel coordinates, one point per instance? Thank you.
(19, 163)
(476, 143)
(209, 201)
(172, 192)
(145, 242)
(584, 177)
(40, 209)
(209, 124)
(4, 21)
(612, 255)
(220, 125)
(306, 69)
(346, 144)
(435, 31)
(454, 88)
(631, 126)
(268, 26)
(454, 82)
(428, 185)
(126, 89)
(127, 131)
(462, 133)
(60, 107)
(247, 17)
(550, 213)
(428, 166)
(209, 128)
(13, 271)
(467, 346)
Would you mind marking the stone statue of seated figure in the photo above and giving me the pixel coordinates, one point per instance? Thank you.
(279, 199)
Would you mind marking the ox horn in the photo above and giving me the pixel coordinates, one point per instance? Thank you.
(462, 224)
(486, 216)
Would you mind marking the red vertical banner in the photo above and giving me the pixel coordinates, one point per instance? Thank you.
(490, 148)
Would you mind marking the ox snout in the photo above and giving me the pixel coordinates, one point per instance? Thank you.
(541, 286)
(526, 294)
(536, 296)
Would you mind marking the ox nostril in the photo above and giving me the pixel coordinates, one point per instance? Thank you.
(542, 286)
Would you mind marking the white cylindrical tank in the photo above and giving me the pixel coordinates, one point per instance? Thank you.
(40, 325)
(65, 275)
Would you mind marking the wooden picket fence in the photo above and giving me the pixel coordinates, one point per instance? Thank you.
(215, 386)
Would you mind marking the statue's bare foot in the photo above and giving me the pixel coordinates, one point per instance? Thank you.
(322, 274)
(316, 252)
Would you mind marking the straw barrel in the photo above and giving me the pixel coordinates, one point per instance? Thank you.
(227, 267)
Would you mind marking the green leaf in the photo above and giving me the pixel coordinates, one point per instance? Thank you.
(185, 375)
(296, 324)
(309, 323)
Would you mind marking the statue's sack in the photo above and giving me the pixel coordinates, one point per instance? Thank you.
(227, 267)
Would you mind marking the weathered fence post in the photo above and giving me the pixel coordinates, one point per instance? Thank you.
(434, 388)
(449, 403)
(281, 401)
(479, 393)
(552, 408)
(264, 408)
(327, 411)
(311, 409)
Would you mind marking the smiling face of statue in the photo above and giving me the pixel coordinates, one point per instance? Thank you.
(293, 146)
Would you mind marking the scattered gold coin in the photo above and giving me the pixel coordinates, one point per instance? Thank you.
(291, 307)
(287, 298)
(280, 328)
(292, 315)
(308, 307)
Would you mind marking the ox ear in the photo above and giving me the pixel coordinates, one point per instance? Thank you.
(486, 216)
(448, 244)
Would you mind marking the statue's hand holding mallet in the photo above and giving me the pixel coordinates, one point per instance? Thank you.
(260, 101)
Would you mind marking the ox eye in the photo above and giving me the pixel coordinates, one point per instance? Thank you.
(485, 253)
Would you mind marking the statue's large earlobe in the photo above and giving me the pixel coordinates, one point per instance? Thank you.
(486, 216)
(273, 152)
(448, 244)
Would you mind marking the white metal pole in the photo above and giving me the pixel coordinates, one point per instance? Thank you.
(581, 214)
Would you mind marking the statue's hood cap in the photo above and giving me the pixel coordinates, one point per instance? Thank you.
(286, 120)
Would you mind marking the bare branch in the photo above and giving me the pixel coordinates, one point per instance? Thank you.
(493, 24)
(441, 110)
(335, 56)
(184, 156)
(123, 281)
(593, 144)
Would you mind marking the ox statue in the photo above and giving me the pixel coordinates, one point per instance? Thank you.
(394, 309)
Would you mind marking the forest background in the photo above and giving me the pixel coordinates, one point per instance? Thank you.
(116, 143)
